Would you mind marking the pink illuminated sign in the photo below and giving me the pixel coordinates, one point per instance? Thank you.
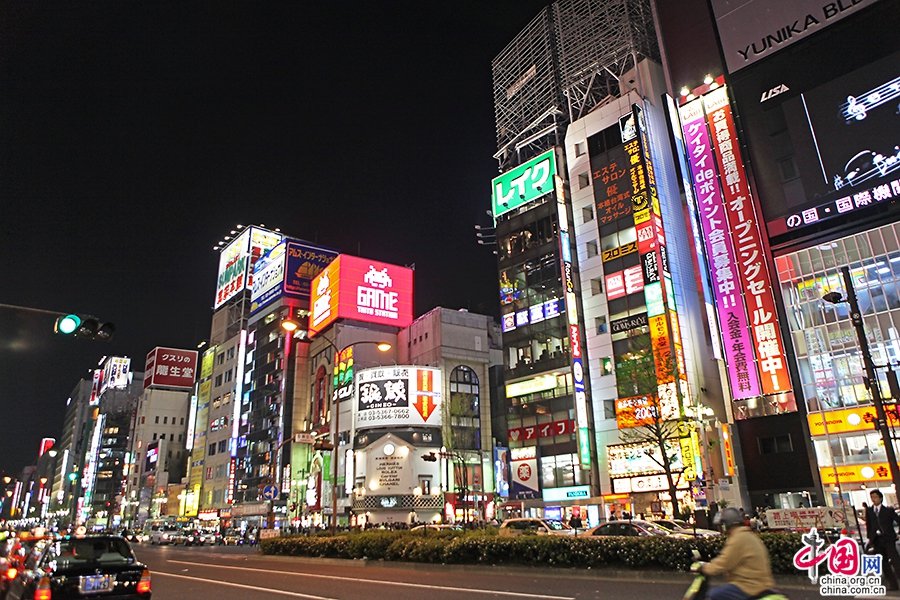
(724, 269)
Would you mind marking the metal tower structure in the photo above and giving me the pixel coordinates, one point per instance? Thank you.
(566, 62)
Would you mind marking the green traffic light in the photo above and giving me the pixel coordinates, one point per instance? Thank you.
(73, 476)
(68, 324)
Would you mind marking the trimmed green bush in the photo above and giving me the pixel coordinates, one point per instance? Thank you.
(487, 548)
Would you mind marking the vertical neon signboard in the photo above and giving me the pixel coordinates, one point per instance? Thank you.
(749, 251)
(582, 423)
(742, 374)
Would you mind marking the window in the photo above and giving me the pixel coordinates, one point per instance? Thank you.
(154, 436)
(165, 420)
(591, 249)
(212, 449)
(143, 419)
(596, 286)
(606, 366)
(157, 418)
(220, 471)
(775, 445)
(209, 472)
(223, 446)
(425, 485)
(464, 408)
(171, 437)
(587, 213)
(220, 358)
(218, 380)
(584, 180)
(579, 148)
(600, 324)
(609, 409)
(229, 354)
(228, 375)
(182, 420)
(179, 437)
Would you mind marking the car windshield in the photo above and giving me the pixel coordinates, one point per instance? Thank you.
(76, 551)
(556, 525)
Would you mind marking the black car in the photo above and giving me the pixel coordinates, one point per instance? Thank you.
(80, 567)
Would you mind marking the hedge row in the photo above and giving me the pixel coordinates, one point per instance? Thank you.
(654, 553)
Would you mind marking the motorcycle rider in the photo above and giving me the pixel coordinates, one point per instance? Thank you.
(744, 561)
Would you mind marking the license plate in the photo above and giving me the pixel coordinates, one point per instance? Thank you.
(93, 584)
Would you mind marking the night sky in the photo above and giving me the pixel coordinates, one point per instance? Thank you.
(134, 135)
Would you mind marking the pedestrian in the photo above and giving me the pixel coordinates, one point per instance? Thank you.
(880, 520)
(575, 522)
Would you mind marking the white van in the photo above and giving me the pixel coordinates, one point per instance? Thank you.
(164, 533)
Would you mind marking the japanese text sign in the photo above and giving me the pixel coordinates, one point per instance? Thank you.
(749, 253)
(523, 184)
(170, 368)
(742, 373)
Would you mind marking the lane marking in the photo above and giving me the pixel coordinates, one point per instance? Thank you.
(246, 587)
(381, 581)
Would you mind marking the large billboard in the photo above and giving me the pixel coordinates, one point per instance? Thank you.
(751, 30)
(525, 183)
(287, 270)
(837, 157)
(116, 373)
(237, 259)
(398, 396)
(171, 368)
(362, 290)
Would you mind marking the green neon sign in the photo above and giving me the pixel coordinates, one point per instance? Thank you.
(525, 183)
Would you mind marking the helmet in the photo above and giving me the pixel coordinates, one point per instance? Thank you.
(728, 518)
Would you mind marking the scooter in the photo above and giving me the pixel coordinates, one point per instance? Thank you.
(700, 586)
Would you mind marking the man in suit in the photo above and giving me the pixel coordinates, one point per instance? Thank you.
(880, 521)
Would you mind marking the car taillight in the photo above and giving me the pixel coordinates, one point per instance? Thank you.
(143, 586)
(43, 590)
(11, 573)
(165, 536)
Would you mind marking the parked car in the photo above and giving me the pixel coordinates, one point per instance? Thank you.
(76, 567)
(632, 529)
(513, 527)
(164, 534)
(437, 527)
(679, 526)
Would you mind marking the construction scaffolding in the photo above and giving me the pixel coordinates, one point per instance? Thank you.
(566, 62)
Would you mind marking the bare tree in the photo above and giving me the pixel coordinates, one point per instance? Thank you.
(652, 420)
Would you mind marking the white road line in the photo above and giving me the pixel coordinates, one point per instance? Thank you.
(242, 586)
(380, 581)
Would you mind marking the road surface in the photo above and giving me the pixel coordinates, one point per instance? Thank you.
(219, 573)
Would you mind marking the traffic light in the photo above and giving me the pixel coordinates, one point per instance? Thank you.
(73, 477)
(84, 326)
(430, 457)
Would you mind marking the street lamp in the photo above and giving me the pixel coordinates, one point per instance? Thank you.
(336, 412)
(871, 376)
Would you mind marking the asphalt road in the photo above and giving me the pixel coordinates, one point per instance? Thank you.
(218, 573)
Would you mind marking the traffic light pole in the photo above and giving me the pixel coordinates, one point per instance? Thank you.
(872, 379)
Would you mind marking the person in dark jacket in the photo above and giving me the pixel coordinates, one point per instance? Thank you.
(880, 520)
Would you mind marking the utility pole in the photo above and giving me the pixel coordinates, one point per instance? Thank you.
(871, 375)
